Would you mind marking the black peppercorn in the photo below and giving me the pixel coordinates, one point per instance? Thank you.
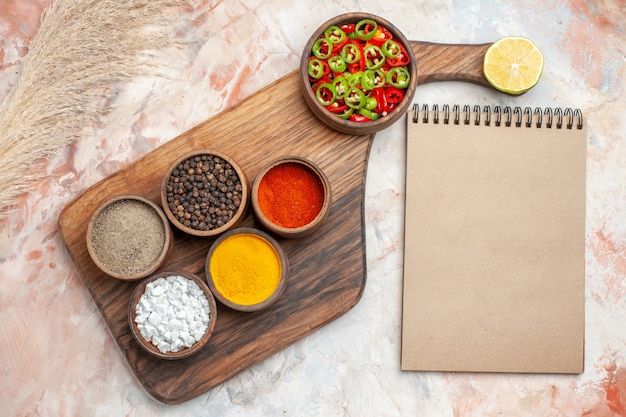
(204, 192)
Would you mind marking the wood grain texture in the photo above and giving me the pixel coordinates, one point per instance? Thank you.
(327, 268)
(450, 62)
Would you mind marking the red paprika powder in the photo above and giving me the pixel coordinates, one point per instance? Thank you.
(291, 195)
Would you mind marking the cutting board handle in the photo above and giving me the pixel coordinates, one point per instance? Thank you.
(449, 62)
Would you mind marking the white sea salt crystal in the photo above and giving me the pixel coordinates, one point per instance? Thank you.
(173, 313)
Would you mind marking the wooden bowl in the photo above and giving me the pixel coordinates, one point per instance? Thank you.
(176, 203)
(278, 222)
(149, 346)
(121, 237)
(252, 251)
(348, 126)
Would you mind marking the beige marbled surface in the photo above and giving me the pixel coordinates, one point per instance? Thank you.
(56, 355)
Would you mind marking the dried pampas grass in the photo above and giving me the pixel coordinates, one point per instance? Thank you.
(81, 48)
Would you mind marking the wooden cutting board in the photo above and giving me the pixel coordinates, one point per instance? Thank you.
(327, 269)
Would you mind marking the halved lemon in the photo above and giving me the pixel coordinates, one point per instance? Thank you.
(513, 64)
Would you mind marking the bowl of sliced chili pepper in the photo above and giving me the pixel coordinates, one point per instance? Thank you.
(358, 73)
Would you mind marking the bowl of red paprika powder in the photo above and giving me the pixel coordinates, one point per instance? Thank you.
(291, 197)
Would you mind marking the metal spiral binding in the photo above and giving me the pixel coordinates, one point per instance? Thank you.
(509, 116)
(466, 110)
(455, 110)
(487, 111)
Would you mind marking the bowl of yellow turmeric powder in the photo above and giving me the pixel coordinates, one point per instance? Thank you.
(246, 269)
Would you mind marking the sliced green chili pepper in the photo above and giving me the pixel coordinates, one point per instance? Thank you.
(322, 48)
(399, 77)
(351, 52)
(317, 68)
(344, 113)
(326, 94)
(374, 57)
(372, 79)
(365, 29)
(391, 49)
(354, 97)
(402, 59)
(355, 79)
(370, 103)
(337, 64)
(335, 35)
(341, 85)
(368, 113)
(380, 78)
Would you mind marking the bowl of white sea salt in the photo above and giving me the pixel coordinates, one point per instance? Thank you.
(172, 314)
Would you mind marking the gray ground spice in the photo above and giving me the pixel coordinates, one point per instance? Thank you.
(128, 237)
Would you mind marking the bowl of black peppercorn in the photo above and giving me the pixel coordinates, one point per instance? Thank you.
(204, 193)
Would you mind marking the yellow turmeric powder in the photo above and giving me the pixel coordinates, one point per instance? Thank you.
(245, 269)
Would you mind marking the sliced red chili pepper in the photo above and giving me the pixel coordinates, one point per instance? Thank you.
(394, 95)
(317, 83)
(344, 114)
(355, 117)
(360, 64)
(381, 35)
(402, 59)
(337, 107)
(382, 106)
(347, 27)
(339, 46)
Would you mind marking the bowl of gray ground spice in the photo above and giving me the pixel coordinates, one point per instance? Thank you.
(129, 237)
(204, 193)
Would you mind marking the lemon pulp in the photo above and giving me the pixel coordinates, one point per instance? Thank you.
(513, 64)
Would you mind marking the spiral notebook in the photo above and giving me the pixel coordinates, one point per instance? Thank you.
(494, 262)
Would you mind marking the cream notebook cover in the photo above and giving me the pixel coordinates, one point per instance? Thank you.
(494, 256)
